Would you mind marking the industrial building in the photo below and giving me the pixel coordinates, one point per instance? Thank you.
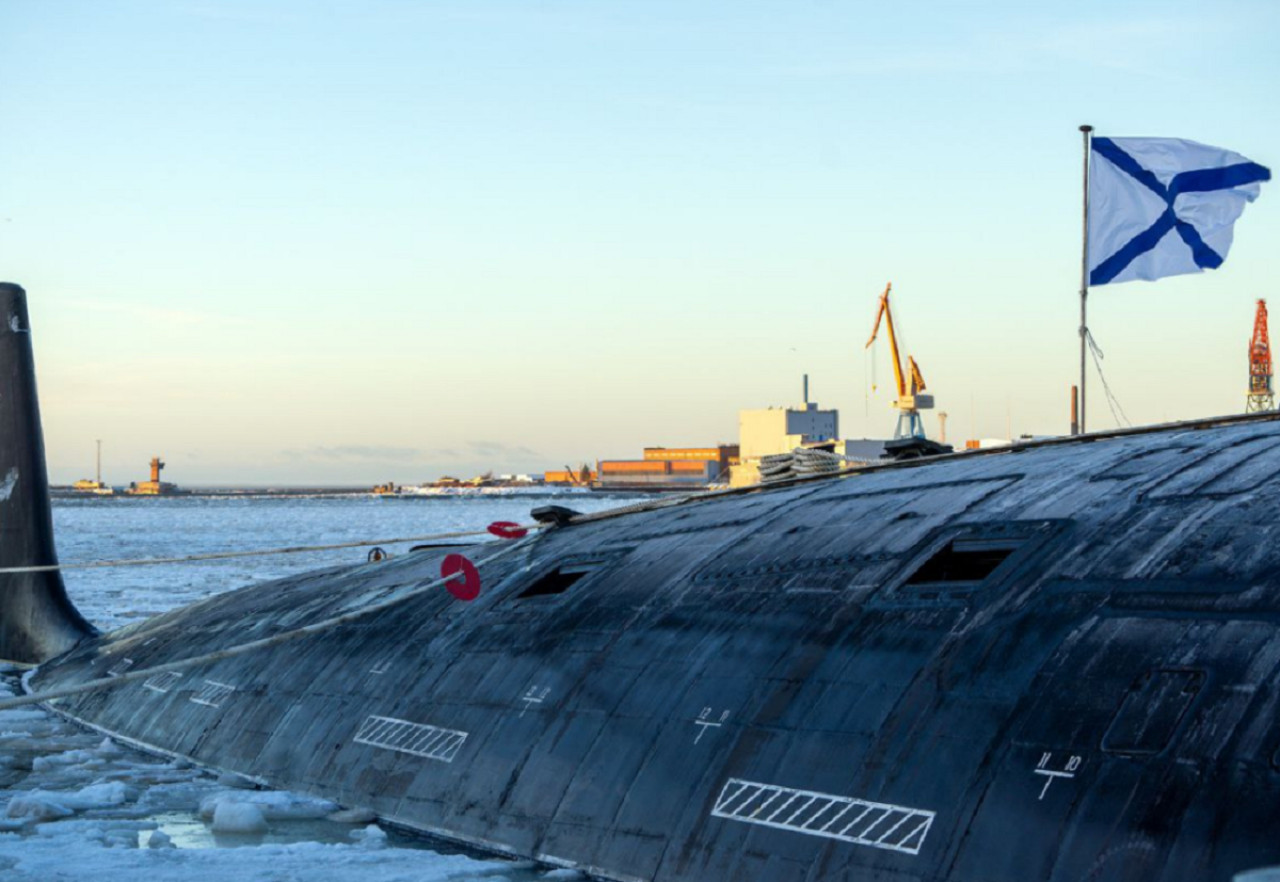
(580, 477)
(775, 430)
(783, 429)
(669, 468)
(725, 455)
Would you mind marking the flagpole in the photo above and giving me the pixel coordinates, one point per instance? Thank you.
(1084, 278)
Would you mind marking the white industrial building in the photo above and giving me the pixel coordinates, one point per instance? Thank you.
(780, 430)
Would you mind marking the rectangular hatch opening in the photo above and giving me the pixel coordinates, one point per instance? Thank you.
(557, 581)
(962, 561)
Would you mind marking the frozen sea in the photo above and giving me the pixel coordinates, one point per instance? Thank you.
(76, 806)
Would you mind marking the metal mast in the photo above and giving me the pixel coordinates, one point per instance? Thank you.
(1261, 397)
(1084, 277)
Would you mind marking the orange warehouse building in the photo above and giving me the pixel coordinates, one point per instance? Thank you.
(568, 477)
(669, 468)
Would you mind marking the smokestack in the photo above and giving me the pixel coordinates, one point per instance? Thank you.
(806, 391)
(1075, 410)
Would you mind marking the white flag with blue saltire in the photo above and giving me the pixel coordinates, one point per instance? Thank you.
(1163, 206)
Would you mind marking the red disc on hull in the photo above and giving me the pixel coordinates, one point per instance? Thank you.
(465, 584)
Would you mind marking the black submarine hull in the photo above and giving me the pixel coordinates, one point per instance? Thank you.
(1054, 663)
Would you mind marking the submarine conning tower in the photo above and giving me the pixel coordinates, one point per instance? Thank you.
(37, 620)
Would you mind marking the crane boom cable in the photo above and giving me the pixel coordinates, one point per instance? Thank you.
(884, 312)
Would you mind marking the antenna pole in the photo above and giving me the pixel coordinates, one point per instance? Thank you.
(1084, 276)
(99, 462)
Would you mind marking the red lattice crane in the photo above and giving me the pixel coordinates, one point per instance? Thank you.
(1261, 396)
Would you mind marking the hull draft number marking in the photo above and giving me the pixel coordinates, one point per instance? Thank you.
(1067, 771)
(417, 739)
(707, 720)
(875, 824)
(213, 693)
(535, 695)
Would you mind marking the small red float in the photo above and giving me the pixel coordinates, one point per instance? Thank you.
(464, 578)
(508, 530)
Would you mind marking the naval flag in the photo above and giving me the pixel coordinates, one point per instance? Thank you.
(1163, 206)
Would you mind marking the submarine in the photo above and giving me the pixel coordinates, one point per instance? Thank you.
(1057, 661)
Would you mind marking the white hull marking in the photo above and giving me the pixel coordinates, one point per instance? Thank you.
(874, 824)
(416, 739)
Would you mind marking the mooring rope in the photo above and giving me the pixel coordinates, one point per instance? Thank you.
(329, 624)
(257, 552)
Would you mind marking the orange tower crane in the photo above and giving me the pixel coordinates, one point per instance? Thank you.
(1261, 397)
(909, 384)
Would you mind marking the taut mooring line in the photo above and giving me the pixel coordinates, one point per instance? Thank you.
(261, 552)
(311, 630)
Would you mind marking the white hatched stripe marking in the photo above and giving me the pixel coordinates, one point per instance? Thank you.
(418, 739)
(915, 822)
(922, 829)
(782, 808)
(866, 811)
(840, 814)
(213, 693)
(162, 682)
(791, 817)
(724, 801)
(894, 828)
(884, 813)
(777, 791)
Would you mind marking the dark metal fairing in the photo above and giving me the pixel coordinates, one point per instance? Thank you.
(36, 619)
(1057, 663)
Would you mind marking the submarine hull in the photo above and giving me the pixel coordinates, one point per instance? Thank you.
(1056, 663)
(1052, 664)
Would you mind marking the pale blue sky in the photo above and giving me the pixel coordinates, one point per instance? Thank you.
(346, 242)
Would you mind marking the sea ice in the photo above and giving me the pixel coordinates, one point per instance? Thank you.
(109, 854)
(238, 817)
(274, 804)
(105, 793)
(159, 839)
(352, 816)
(35, 807)
(371, 836)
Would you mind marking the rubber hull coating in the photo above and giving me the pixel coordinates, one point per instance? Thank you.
(37, 621)
(1057, 662)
